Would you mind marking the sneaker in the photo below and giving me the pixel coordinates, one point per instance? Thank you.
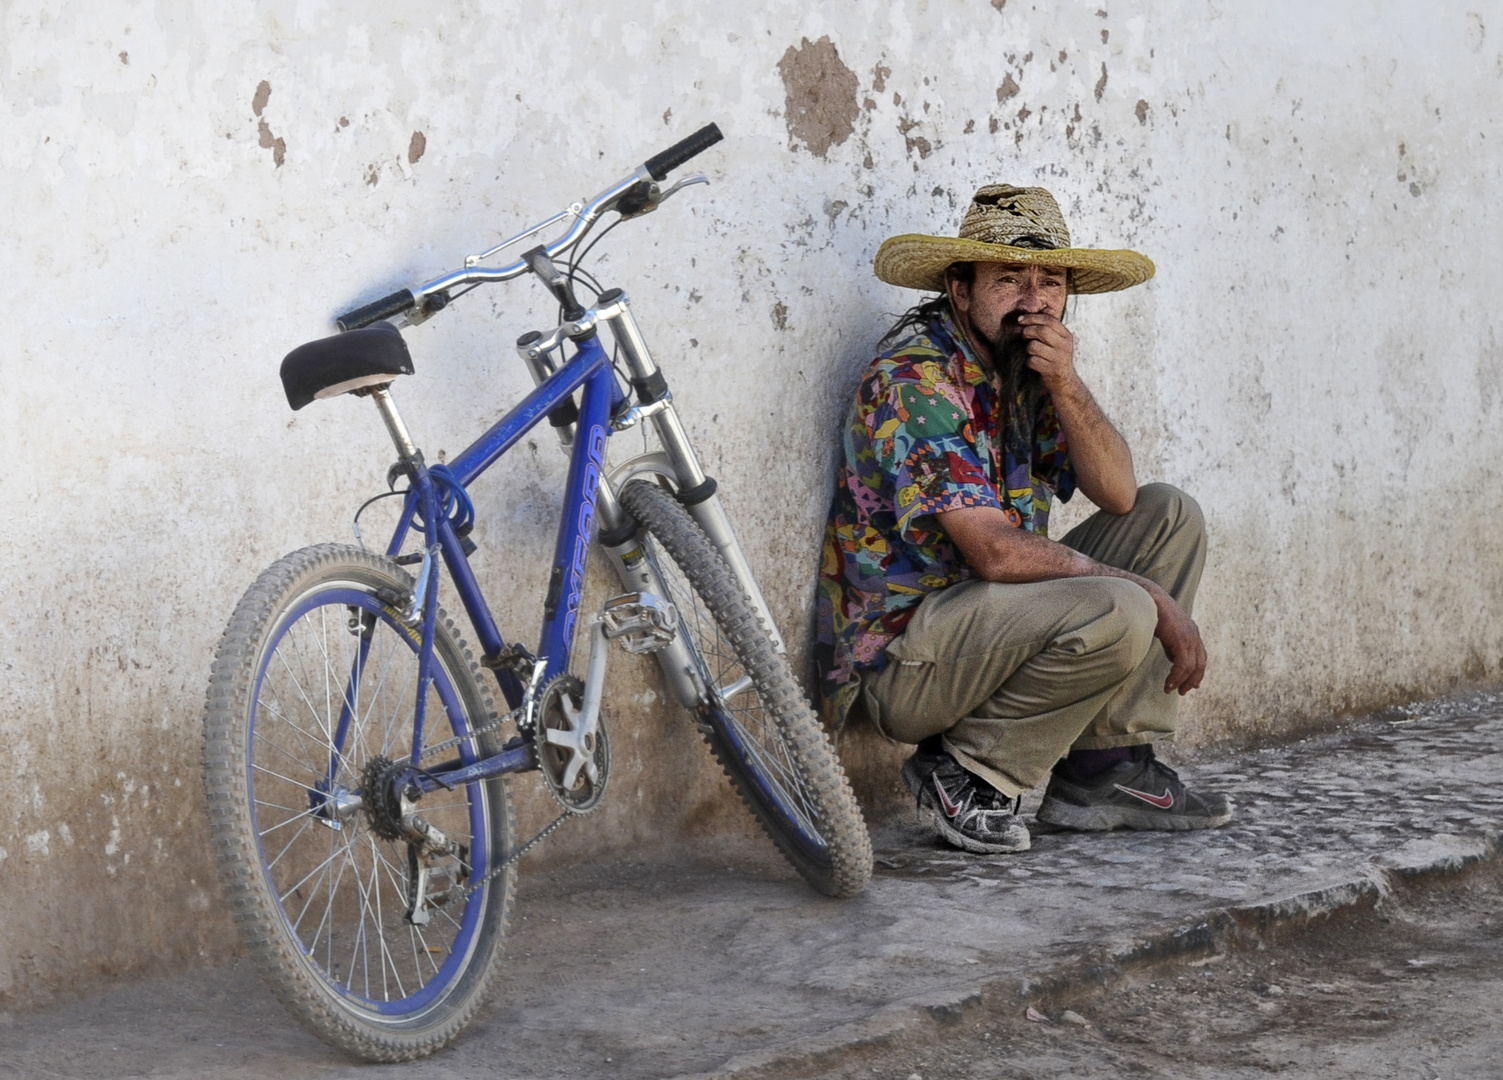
(917, 769)
(1143, 793)
(967, 811)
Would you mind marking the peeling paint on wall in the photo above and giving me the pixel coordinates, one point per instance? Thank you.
(1285, 366)
(265, 139)
(820, 95)
(268, 141)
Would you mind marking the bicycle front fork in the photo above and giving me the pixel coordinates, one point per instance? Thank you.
(678, 462)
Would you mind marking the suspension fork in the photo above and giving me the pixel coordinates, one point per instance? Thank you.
(617, 533)
(696, 490)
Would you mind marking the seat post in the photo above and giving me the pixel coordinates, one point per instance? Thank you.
(394, 426)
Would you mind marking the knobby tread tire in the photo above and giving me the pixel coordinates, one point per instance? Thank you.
(256, 912)
(842, 827)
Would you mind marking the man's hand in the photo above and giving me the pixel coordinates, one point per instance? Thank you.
(1103, 464)
(1051, 350)
(1180, 637)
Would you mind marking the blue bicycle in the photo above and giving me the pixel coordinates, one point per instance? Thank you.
(356, 767)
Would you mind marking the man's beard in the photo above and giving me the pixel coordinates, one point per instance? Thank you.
(1009, 366)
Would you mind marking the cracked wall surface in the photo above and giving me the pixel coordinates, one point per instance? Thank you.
(192, 190)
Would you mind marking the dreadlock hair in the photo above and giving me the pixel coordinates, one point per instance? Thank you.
(917, 318)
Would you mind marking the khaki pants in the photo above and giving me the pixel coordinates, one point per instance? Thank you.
(1017, 675)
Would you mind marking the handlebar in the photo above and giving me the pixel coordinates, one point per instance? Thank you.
(397, 303)
(648, 173)
(660, 165)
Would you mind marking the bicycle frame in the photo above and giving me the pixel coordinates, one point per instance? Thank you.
(589, 499)
(590, 371)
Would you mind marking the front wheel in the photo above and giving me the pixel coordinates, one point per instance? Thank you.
(753, 713)
(312, 694)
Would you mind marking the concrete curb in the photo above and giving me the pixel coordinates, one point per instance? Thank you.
(1221, 929)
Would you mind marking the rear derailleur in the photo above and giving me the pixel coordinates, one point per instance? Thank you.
(438, 868)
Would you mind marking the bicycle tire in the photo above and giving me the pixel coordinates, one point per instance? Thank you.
(765, 736)
(281, 675)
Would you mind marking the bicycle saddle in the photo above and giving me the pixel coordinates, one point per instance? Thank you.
(354, 360)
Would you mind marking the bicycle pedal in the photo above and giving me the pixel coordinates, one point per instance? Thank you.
(641, 622)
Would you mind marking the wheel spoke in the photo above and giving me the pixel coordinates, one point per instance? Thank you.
(327, 884)
(284, 751)
(763, 743)
(324, 923)
(306, 817)
(788, 780)
(284, 778)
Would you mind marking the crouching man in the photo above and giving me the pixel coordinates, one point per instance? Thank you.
(945, 612)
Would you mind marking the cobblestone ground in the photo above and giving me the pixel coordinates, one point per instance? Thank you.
(1309, 814)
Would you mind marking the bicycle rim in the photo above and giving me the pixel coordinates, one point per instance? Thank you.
(342, 892)
(754, 715)
(740, 719)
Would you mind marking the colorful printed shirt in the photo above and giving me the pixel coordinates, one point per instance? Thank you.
(924, 436)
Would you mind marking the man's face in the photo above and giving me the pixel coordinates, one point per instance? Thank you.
(1001, 292)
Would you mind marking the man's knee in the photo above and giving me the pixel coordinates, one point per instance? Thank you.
(1107, 630)
(1168, 503)
(1130, 621)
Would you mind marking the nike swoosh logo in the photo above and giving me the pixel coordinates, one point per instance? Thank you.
(1163, 802)
(951, 808)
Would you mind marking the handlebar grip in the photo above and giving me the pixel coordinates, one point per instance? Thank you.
(384, 308)
(660, 165)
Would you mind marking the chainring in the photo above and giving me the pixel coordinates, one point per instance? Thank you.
(558, 710)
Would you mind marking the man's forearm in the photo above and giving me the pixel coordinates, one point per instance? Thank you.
(999, 552)
(1102, 460)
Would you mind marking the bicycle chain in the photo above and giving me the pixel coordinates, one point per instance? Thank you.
(501, 867)
(483, 729)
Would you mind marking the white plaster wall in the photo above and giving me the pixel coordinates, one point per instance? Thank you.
(1318, 359)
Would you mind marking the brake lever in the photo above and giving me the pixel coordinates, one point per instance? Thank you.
(656, 197)
(424, 309)
(697, 178)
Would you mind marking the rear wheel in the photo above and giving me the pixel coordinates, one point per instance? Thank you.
(312, 695)
(755, 717)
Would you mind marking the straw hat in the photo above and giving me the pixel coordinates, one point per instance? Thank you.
(1013, 225)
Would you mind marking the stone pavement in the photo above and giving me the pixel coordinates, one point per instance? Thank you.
(716, 960)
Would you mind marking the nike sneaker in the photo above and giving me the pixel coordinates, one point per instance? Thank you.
(966, 811)
(1142, 793)
(917, 769)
